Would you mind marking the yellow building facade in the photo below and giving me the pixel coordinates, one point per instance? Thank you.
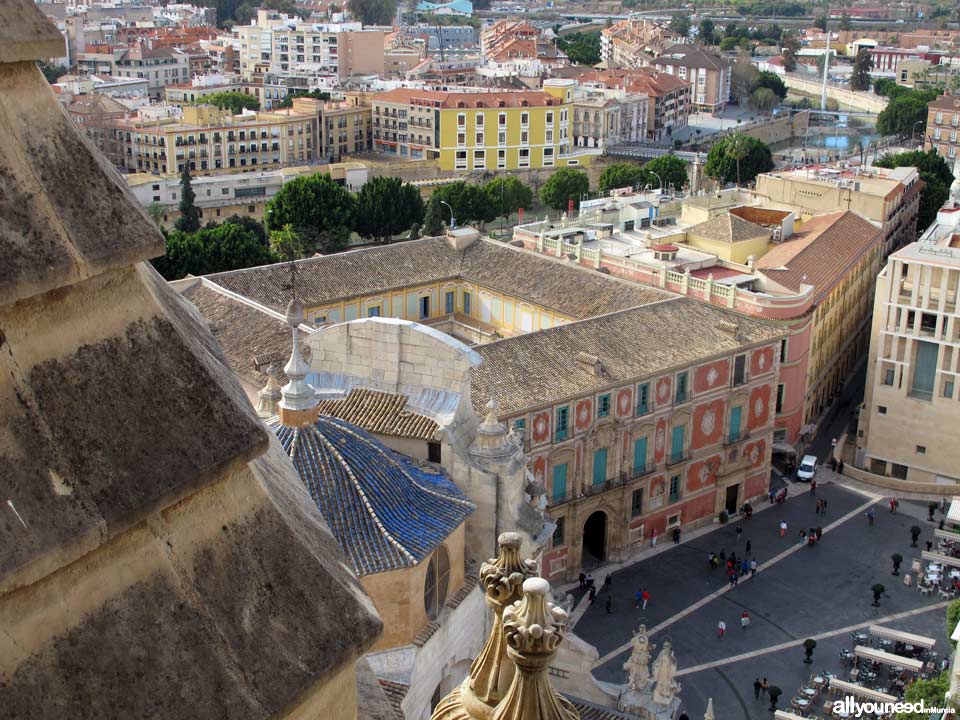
(477, 131)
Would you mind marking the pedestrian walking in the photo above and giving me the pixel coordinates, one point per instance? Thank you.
(813, 487)
(748, 547)
(645, 598)
(772, 495)
(744, 620)
(609, 605)
(653, 538)
(583, 581)
(893, 505)
(721, 628)
(840, 467)
(929, 545)
(739, 531)
(803, 536)
(607, 582)
(744, 567)
(819, 533)
(639, 598)
(753, 567)
(764, 686)
(676, 536)
(732, 577)
(592, 594)
(590, 583)
(783, 528)
(816, 509)
(833, 463)
(871, 516)
(823, 506)
(757, 686)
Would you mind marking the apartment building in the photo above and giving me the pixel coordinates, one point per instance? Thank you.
(159, 66)
(200, 87)
(911, 411)
(888, 197)
(208, 140)
(943, 126)
(708, 75)
(630, 43)
(668, 96)
(347, 130)
(477, 130)
(279, 44)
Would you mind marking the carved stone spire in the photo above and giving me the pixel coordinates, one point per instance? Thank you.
(299, 399)
(533, 628)
(269, 396)
(491, 672)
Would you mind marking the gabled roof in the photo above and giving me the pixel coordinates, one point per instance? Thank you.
(945, 102)
(385, 511)
(691, 56)
(822, 252)
(382, 413)
(728, 228)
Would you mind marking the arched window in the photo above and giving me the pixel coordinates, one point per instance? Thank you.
(436, 583)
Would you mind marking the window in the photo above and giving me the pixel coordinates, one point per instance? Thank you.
(939, 118)
(562, 420)
(636, 503)
(888, 376)
(501, 138)
(502, 119)
(924, 370)
(461, 120)
(433, 452)
(739, 369)
(600, 466)
(558, 533)
(461, 139)
(779, 398)
(525, 118)
(524, 137)
(548, 157)
(881, 409)
(676, 444)
(479, 120)
(436, 582)
(448, 301)
(550, 117)
(921, 450)
(461, 160)
(603, 405)
(639, 456)
(643, 397)
(559, 487)
(373, 311)
(948, 388)
(501, 159)
(479, 159)
(733, 434)
(681, 395)
(524, 157)
(674, 488)
(783, 350)
(466, 303)
(424, 307)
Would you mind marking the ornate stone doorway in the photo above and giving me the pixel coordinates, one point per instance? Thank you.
(732, 500)
(595, 539)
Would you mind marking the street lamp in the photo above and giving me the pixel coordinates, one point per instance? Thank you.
(659, 179)
(453, 220)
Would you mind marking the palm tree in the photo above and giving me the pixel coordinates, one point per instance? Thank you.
(738, 147)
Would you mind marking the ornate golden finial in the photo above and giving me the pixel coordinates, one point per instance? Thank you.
(491, 673)
(533, 628)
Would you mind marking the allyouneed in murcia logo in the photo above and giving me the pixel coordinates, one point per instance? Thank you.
(850, 707)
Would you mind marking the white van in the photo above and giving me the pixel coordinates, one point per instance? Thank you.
(808, 468)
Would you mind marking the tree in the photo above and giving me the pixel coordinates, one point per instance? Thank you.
(286, 244)
(563, 186)
(884, 86)
(316, 94)
(932, 692)
(581, 48)
(619, 175)
(373, 12)
(773, 82)
(902, 114)
(155, 211)
(671, 169)
(791, 46)
(235, 102)
(51, 72)
(862, 65)
(937, 178)
(189, 220)
(208, 250)
(763, 100)
(724, 166)
(471, 203)
(680, 24)
(320, 211)
(844, 22)
(821, 22)
(251, 224)
(385, 207)
(707, 28)
(433, 218)
(508, 194)
(729, 43)
(743, 79)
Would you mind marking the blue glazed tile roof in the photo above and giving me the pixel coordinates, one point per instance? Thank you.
(385, 511)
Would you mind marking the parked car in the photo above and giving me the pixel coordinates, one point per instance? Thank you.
(808, 468)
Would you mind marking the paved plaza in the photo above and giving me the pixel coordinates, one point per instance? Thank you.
(798, 592)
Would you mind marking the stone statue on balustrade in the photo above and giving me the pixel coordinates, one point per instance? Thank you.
(638, 664)
(666, 687)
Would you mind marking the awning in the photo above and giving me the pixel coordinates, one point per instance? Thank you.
(947, 535)
(784, 448)
(953, 514)
(849, 688)
(885, 658)
(942, 559)
(787, 715)
(904, 637)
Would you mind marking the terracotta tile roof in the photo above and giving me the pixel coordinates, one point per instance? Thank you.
(728, 228)
(571, 290)
(691, 56)
(637, 80)
(380, 413)
(404, 96)
(539, 369)
(945, 102)
(822, 252)
(395, 693)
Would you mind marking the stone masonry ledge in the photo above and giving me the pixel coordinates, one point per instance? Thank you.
(901, 488)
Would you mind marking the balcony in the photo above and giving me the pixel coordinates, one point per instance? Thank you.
(677, 458)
